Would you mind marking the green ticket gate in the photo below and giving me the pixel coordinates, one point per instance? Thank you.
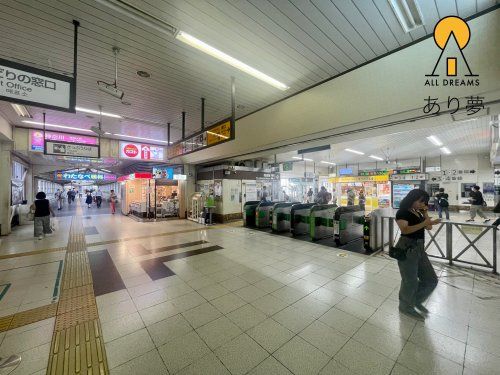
(282, 216)
(249, 213)
(349, 224)
(263, 214)
(300, 218)
(321, 221)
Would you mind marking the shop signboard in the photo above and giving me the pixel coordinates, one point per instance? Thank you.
(140, 151)
(216, 134)
(378, 172)
(346, 179)
(83, 176)
(163, 172)
(432, 169)
(180, 177)
(37, 139)
(70, 149)
(406, 171)
(24, 84)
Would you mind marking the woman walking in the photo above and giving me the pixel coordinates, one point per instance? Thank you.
(112, 201)
(42, 215)
(88, 200)
(418, 278)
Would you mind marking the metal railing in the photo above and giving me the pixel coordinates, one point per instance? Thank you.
(443, 241)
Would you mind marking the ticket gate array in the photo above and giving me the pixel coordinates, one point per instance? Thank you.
(300, 218)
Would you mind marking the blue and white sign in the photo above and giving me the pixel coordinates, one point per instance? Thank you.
(163, 172)
(345, 171)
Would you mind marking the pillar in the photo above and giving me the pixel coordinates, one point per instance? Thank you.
(186, 189)
(5, 187)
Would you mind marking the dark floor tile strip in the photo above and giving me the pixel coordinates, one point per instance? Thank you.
(105, 276)
(156, 269)
(138, 250)
(90, 230)
(178, 246)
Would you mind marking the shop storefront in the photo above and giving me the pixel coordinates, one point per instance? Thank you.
(376, 189)
(151, 196)
(403, 183)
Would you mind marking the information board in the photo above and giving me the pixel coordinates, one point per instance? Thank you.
(140, 151)
(216, 134)
(69, 149)
(37, 141)
(24, 84)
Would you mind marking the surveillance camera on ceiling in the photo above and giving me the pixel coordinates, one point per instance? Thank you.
(97, 130)
(110, 89)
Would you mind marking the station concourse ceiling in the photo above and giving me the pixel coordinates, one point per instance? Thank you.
(297, 42)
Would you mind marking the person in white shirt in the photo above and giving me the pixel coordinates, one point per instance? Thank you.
(98, 197)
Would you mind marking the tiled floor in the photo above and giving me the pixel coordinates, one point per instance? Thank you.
(263, 304)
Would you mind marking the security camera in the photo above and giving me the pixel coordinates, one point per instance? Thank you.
(97, 130)
(110, 89)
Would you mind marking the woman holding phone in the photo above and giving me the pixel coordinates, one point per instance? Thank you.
(418, 278)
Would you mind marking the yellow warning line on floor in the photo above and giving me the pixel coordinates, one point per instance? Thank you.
(77, 345)
(26, 317)
(34, 252)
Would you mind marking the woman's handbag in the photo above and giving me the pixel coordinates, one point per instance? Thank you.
(397, 253)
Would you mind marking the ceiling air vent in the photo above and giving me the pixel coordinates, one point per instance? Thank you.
(408, 14)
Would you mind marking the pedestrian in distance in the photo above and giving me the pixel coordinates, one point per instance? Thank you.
(59, 199)
(42, 215)
(309, 195)
(418, 278)
(362, 199)
(323, 196)
(98, 198)
(88, 199)
(442, 203)
(112, 201)
(477, 203)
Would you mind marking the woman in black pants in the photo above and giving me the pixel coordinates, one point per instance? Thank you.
(418, 278)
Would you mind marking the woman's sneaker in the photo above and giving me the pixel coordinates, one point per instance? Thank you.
(413, 313)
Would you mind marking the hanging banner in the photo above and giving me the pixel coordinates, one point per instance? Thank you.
(69, 149)
(216, 134)
(382, 178)
(24, 84)
(37, 141)
(139, 151)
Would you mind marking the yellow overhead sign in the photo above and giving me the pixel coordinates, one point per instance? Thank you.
(345, 179)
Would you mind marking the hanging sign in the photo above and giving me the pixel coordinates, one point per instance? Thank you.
(83, 176)
(410, 177)
(37, 141)
(23, 84)
(382, 178)
(140, 151)
(69, 149)
(163, 172)
(216, 134)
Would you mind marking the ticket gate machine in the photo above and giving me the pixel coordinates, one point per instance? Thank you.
(321, 221)
(263, 214)
(282, 216)
(300, 218)
(249, 213)
(348, 224)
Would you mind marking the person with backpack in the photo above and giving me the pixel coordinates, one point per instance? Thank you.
(476, 204)
(442, 203)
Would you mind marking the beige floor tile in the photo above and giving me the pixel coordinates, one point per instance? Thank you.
(301, 357)
(128, 347)
(183, 351)
(169, 329)
(147, 364)
(324, 338)
(208, 365)
(246, 317)
(270, 335)
(201, 315)
(125, 325)
(218, 332)
(241, 354)
(361, 359)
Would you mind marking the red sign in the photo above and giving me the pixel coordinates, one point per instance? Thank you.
(131, 150)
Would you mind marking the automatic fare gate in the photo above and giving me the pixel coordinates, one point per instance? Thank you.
(282, 217)
(321, 221)
(249, 213)
(349, 225)
(300, 218)
(263, 213)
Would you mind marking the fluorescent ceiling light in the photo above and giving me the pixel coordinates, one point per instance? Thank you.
(214, 52)
(296, 157)
(306, 159)
(57, 126)
(105, 170)
(408, 14)
(96, 112)
(327, 162)
(445, 150)
(141, 138)
(376, 157)
(435, 140)
(21, 110)
(354, 151)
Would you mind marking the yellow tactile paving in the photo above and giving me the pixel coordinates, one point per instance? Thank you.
(27, 317)
(77, 344)
(28, 253)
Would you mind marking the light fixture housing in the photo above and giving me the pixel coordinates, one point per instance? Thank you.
(21, 110)
(354, 151)
(376, 157)
(435, 140)
(408, 14)
(57, 126)
(224, 57)
(96, 112)
(445, 150)
(327, 162)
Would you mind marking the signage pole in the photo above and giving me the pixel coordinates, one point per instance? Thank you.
(233, 105)
(44, 127)
(183, 124)
(168, 133)
(72, 103)
(202, 113)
